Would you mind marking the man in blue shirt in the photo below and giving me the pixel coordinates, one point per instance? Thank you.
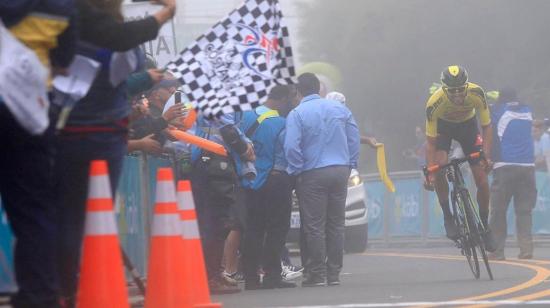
(321, 147)
(268, 195)
(513, 173)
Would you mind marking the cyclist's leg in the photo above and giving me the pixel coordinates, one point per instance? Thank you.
(443, 145)
(470, 140)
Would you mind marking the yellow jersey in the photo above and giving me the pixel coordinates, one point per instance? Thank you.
(440, 107)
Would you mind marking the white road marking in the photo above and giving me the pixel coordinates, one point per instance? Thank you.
(443, 303)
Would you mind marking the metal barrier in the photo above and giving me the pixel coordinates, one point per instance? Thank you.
(414, 212)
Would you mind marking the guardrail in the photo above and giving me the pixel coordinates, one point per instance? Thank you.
(410, 212)
(414, 212)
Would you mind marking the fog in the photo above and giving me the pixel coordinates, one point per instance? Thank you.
(391, 51)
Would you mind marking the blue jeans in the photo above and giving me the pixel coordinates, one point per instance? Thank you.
(72, 163)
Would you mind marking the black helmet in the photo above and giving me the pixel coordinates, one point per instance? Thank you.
(454, 76)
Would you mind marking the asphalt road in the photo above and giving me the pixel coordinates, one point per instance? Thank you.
(416, 277)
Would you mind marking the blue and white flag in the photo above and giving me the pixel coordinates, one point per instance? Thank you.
(233, 65)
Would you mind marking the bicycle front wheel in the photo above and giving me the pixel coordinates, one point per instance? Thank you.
(475, 230)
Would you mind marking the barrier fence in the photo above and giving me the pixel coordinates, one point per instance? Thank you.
(409, 212)
(414, 212)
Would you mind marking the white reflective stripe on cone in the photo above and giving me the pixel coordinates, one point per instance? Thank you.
(166, 225)
(99, 187)
(166, 192)
(190, 230)
(100, 223)
(185, 200)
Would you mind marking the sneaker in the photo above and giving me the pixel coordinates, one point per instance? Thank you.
(451, 229)
(293, 268)
(220, 286)
(288, 274)
(313, 282)
(489, 241)
(230, 278)
(333, 281)
(237, 276)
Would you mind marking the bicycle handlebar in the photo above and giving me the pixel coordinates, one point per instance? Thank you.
(457, 161)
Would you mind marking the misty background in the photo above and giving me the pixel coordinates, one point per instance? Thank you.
(391, 51)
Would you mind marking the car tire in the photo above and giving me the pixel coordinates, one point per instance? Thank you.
(356, 238)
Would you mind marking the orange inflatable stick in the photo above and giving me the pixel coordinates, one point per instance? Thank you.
(198, 141)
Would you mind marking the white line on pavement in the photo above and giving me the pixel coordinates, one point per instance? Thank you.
(443, 303)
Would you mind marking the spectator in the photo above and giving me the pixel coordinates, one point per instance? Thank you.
(25, 159)
(513, 174)
(268, 195)
(542, 145)
(97, 126)
(149, 115)
(214, 182)
(339, 97)
(418, 153)
(321, 146)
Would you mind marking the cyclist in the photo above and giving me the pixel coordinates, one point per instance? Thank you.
(451, 114)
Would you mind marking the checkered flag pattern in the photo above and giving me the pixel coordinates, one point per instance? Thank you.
(235, 63)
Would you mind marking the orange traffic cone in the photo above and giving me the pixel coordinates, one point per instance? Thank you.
(197, 283)
(102, 282)
(166, 275)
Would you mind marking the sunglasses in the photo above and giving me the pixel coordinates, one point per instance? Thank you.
(456, 90)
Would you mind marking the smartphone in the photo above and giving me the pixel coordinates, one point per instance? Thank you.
(177, 97)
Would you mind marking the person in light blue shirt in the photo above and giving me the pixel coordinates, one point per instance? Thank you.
(321, 147)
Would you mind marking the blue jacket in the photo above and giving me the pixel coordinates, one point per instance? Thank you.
(320, 133)
(512, 141)
(268, 139)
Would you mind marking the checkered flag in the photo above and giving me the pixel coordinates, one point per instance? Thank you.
(233, 66)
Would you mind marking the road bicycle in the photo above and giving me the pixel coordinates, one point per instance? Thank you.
(465, 214)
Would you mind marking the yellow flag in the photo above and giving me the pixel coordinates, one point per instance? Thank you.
(381, 162)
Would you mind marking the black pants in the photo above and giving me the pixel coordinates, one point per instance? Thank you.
(25, 187)
(268, 221)
(214, 196)
(72, 172)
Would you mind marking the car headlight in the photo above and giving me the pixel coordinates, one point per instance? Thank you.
(354, 180)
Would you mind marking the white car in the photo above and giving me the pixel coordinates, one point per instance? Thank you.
(356, 216)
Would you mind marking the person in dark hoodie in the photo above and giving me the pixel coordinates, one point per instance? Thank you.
(97, 126)
(513, 172)
(46, 28)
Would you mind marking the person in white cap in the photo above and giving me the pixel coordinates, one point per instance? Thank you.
(339, 97)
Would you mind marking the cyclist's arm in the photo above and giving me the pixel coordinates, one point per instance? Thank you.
(430, 150)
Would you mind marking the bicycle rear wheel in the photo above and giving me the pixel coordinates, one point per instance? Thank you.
(476, 229)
